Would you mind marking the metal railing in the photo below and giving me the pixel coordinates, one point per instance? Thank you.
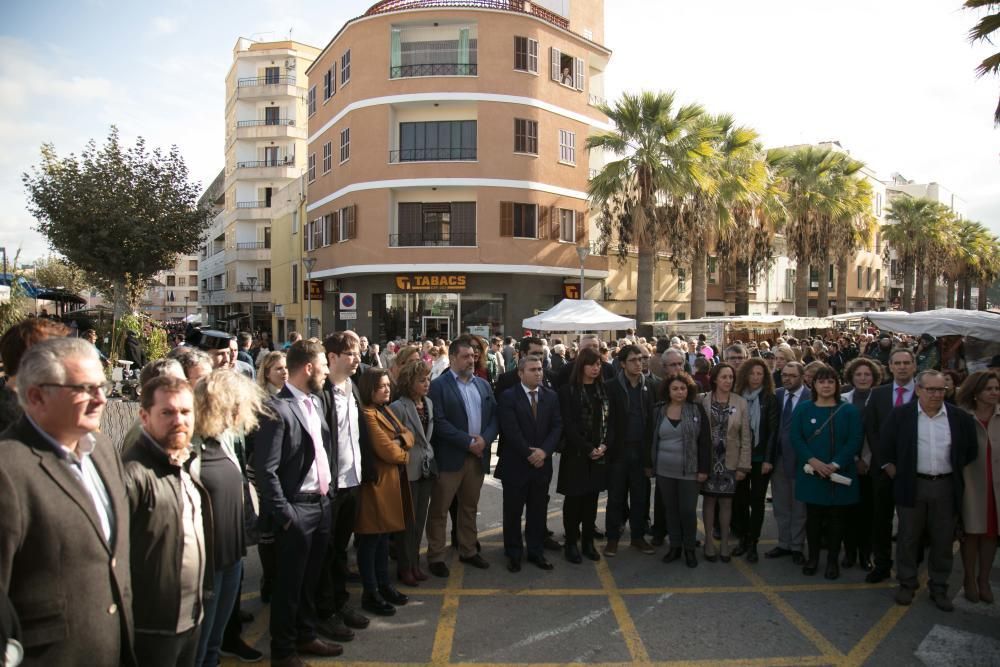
(265, 81)
(418, 239)
(253, 245)
(259, 287)
(252, 164)
(431, 154)
(265, 121)
(434, 69)
(253, 204)
(388, 6)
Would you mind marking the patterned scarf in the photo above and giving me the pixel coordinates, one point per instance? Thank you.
(594, 432)
(753, 405)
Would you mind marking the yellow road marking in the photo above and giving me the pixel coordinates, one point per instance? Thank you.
(629, 633)
(444, 637)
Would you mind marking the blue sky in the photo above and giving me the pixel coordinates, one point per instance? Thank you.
(892, 80)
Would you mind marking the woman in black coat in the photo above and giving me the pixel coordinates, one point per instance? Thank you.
(755, 383)
(583, 470)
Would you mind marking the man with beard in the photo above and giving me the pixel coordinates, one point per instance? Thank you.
(294, 479)
(171, 527)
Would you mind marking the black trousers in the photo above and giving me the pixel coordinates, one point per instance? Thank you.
(883, 510)
(528, 497)
(748, 505)
(580, 511)
(858, 534)
(167, 650)
(300, 552)
(332, 592)
(825, 523)
(628, 494)
(659, 527)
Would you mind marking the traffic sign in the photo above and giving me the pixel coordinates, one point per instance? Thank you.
(348, 301)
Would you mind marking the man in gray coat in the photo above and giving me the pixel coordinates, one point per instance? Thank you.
(62, 492)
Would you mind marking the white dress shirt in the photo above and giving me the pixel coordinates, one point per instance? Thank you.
(348, 437)
(310, 483)
(933, 442)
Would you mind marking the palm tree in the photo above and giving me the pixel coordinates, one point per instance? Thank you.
(983, 31)
(659, 149)
(852, 232)
(912, 219)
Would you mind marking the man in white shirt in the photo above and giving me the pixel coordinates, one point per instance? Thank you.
(789, 513)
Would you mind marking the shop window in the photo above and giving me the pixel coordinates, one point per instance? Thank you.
(567, 69)
(526, 54)
(525, 136)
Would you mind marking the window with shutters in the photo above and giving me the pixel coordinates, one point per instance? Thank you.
(345, 145)
(567, 225)
(311, 100)
(868, 278)
(435, 224)
(345, 68)
(567, 147)
(312, 167)
(859, 277)
(329, 83)
(519, 220)
(681, 280)
(526, 136)
(567, 70)
(317, 233)
(526, 54)
(327, 156)
(295, 283)
(327, 229)
(348, 223)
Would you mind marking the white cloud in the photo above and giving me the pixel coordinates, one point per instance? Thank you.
(164, 25)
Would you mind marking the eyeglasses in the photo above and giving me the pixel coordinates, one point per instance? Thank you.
(935, 390)
(89, 389)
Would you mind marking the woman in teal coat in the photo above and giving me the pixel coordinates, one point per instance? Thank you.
(826, 433)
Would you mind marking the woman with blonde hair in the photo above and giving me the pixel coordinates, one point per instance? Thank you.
(272, 373)
(226, 406)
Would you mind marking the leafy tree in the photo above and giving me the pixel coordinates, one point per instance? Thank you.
(983, 31)
(14, 309)
(119, 213)
(914, 222)
(57, 273)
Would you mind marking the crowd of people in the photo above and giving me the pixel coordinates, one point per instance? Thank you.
(301, 450)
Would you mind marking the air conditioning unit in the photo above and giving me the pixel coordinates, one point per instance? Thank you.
(290, 63)
(331, 285)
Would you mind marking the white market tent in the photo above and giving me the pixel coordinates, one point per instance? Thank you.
(578, 315)
(780, 322)
(941, 322)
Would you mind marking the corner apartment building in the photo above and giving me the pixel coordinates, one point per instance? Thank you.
(173, 295)
(446, 167)
(265, 150)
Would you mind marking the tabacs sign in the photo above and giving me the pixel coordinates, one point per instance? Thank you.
(431, 282)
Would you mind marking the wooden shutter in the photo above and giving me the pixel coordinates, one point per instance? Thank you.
(543, 221)
(556, 216)
(352, 221)
(581, 76)
(581, 227)
(335, 227)
(556, 59)
(463, 223)
(506, 218)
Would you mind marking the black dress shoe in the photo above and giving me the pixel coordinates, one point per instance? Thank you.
(438, 569)
(376, 604)
(672, 555)
(335, 629)
(597, 533)
(393, 596)
(572, 553)
(475, 561)
(832, 569)
(590, 552)
(513, 564)
(353, 619)
(778, 552)
(798, 558)
(690, 559)
(541, 562)
(551, 544)
(877, 576)
(752, 556)
(740, 549)
(657, 540)
(724, 558)
(809, 569)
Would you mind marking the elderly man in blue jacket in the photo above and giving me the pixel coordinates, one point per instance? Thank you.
(465, 426)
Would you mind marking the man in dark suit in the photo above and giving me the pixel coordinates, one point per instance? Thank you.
(342, 408)
(465, 426)
(925, 446)
(789, 513)
(902, 390)
(294, 479)
(64, 522)
(531, 426)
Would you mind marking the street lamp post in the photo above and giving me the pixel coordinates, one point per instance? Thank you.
(4, 251)
(582, 251)
(252, 282)
(309, 263)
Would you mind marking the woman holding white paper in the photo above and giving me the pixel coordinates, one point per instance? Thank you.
(826, 434)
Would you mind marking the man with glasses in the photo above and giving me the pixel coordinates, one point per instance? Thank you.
(924, 448)
(789, 513)
(735, 355)
(64, 514)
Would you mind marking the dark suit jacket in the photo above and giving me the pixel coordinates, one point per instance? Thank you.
(880, 404)
(71, 589)
(284, 454)
(521, 431)
(330, 412)
(617, 429)
(898, 445)
(451, 437)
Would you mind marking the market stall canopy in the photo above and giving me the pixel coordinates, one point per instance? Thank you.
(941, 322)
(578, 315)
(780, 322)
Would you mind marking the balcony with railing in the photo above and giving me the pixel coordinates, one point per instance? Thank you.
(268, 86)
(253, 204)
(269, 128)
(516, 6)
(273, 80)
(432, 155)
(257, 122)
(437, 239)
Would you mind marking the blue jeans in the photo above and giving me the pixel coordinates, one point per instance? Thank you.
(373, 560)
(225, 588)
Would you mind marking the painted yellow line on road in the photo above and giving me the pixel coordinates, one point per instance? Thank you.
(629, 633)
(444, 637)
(794, 617)
(864, 648)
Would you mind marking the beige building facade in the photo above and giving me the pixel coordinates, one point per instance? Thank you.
(173, 294)
(446, 168)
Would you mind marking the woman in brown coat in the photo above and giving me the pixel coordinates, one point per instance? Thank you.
(980, 395)
(384, 504)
